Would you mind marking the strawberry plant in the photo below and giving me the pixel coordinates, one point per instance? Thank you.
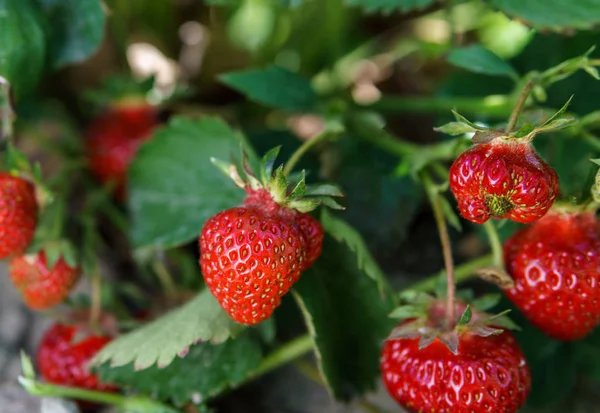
(392, 195)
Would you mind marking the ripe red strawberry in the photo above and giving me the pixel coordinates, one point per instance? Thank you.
(63, 357)
(251, 256)
(113, 140)
(18, 215)
(556, 268)
(486, 373)
(489, 374)
(41, 287)
(503, 178)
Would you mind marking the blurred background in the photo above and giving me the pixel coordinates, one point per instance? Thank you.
(380, 60)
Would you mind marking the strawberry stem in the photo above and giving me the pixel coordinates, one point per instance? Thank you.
(495, 244)
(438, 212)
(165, 279)
(6, 111)
(96, 305)
(307, 145)
(286, 353)
(514, 117)
(137, 404)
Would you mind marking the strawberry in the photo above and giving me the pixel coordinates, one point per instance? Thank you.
(114, 138)
(18, 214)
(64, 353)
(252, 254)
(503, 178)
(250, 258)
(486, 373)
(40, 286)
(555, 265)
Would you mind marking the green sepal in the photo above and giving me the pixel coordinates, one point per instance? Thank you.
(300, 189)
(267, 163)
(466, 316)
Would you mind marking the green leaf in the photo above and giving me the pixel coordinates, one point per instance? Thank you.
(486, 302)
(389, 6)
(76, 29)
(406, 311)
(478, 59)
(205, 371)
(552, 14)
(344, 233)
(347, 318)
(174, 187)
(275, 87)
(22, 50)
(163, 339)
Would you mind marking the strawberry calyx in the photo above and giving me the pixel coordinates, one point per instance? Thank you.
(525, 133)
(425, 319)
(272, 188)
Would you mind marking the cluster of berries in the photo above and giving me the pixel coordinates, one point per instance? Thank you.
(66, 348)
(556, 271)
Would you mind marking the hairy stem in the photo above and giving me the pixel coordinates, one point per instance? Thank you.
(6, 111)
(495, 244)
(461, 273)
(134, 404)
(493, 106)
(438, 212)
(514, 117)
(165, 279)
(306, 146)
(591, 139)
(96, 305)
(50, 390)
(369, 130)
(285, 354)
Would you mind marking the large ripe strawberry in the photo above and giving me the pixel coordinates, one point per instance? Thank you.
(251, 255)
(250, 259)
(40, 286)
(555, 264)
(486, 373)
(64, 353)
(18, 214)
(113, 140)
(503, 178)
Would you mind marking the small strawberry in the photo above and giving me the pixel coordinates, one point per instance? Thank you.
(503, 178)
(64, 353)
(555, 264)
(487, 372)
(113, 140)
(40, 286)
(18, 214)
(251, 255)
